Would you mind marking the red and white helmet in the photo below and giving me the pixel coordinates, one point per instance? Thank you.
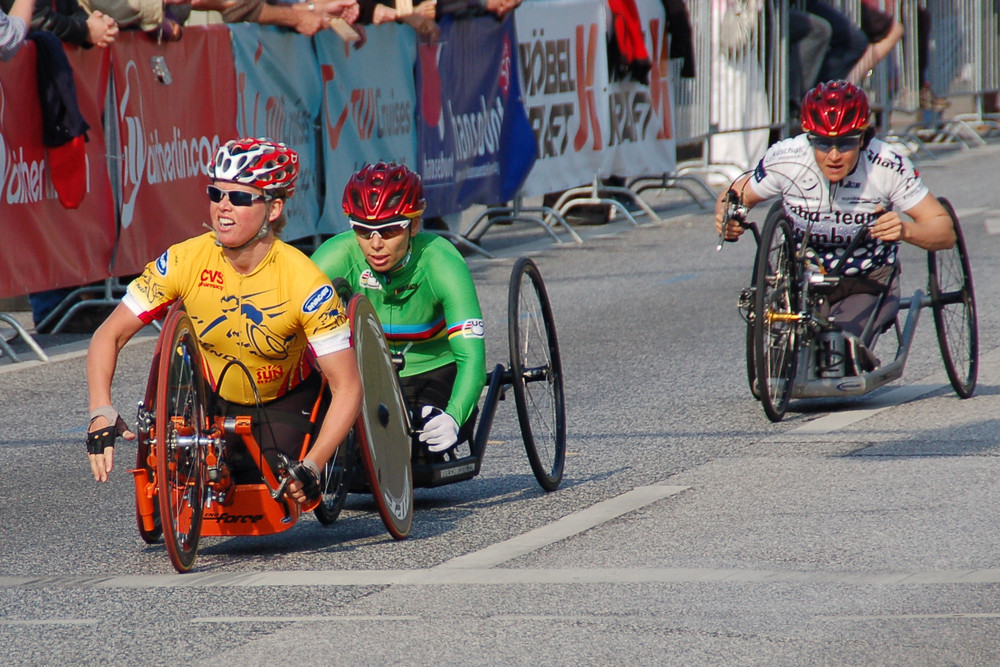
(383, 192)
(835, 108)
(268, 165)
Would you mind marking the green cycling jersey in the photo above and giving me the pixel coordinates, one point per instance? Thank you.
(428, 307)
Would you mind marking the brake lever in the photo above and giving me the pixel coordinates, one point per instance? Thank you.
(735, 210)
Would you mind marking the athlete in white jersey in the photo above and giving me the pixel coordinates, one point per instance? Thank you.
(832, 180)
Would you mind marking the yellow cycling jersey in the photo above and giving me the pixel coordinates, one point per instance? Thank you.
(274, 320)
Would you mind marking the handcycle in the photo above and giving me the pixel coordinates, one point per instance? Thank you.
(185, 489)
(534, 376)
(794, 351)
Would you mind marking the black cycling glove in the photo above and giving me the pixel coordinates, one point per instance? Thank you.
(100, 439)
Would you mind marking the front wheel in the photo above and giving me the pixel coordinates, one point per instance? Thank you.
(954, 305)
(181, 419)
(335, 481)
(536, 371)
(775, 340)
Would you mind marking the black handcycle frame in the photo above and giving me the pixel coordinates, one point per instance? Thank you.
(783, 356)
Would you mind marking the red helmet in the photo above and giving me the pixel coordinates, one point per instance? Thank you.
(835, 108)
(383, 192)
(268, 165)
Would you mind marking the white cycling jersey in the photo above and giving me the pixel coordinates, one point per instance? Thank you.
(883, 180)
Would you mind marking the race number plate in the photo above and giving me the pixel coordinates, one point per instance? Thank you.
(383, 428)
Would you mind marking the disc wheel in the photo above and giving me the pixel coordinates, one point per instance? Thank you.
(144, 448)
(181, 409)
(774, 339)
(334, 482)
(383, 428)
(954, 305)
(536, 373)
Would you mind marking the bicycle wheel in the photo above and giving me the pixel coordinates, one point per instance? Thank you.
(536, 372)
(180, 419)
(954, 304)
(145, 434)
(335, 482)
(775, 341)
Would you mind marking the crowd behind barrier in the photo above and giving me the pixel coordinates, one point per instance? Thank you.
(543, 112)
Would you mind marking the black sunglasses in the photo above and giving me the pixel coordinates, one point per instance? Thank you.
(848, 142)
(236, 197)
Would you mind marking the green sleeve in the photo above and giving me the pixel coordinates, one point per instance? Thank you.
(453, 286)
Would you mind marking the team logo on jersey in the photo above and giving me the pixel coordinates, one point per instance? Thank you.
(210, 278)
(473, 329)
(317, 299)
(368, 280)
(161, 264)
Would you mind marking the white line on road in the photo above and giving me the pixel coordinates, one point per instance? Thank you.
(565, 527)
(838, 420)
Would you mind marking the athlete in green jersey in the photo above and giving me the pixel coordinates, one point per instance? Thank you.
(424, 296)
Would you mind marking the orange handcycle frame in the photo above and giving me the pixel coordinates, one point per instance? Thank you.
(183, 488)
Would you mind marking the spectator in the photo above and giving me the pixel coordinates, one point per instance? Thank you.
(70, 23)
(847, 42)
(808, 39)
(13, 27)
(306, 18)
(883, 32)
(421, 18)
(155, 17)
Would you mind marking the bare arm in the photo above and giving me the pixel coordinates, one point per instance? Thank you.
(930, 229)
(297, 17)
(22, 9)
(341, 372)
(102, 359)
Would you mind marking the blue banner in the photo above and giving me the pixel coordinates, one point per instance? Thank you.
(368, 108)
(279, 96)
(474, 142)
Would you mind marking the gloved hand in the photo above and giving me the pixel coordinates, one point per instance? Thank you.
(440, 431)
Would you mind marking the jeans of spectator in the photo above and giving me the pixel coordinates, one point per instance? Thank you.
(809, 39)
(847, 42)
(43, 303)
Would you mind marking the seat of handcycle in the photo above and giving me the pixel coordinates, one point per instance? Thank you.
(246, 504)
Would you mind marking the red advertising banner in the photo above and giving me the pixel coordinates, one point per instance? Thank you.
(44, 245)
(175, 104)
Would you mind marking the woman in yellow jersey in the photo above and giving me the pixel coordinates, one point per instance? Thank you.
(252, 298)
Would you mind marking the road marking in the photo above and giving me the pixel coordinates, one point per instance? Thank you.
(565, 527)
(441, 576)
(992, 225)
(299, 619)
(843, 418)
(49, 621)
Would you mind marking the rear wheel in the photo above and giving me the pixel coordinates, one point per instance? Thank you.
(775, 342)
(181, 410)
(954, 304)
(536, 371)
(334, 482)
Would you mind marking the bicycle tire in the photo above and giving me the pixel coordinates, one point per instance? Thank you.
(144, 447)
(181, 411)
(775, 338)
(953, 302)
(335, 482)
(536, 373)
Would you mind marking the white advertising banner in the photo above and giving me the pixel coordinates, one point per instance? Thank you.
(584, 123)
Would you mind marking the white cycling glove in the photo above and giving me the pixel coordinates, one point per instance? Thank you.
(440, 431)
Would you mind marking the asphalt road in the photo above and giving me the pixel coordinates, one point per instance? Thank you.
(688, 529)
